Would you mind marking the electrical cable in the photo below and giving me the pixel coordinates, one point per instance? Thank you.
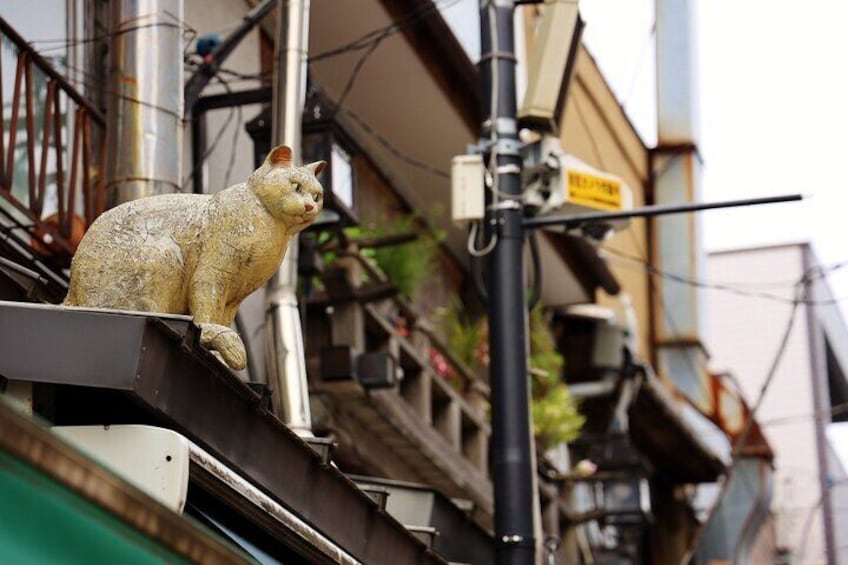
(690, 362)
(800, 294)
(232, 161)
(491, 175)
(472, 238)
(355, 73)
(634, 74)
(366, 127)
(828, 413)
(536, 289)
(215, 141)
(477, 277)
(93, 83)
(189, 32)
(808, 522)
(365, 40)
(595, 148)
(650, 269)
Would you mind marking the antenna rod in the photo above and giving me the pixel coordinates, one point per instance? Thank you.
(574, 220)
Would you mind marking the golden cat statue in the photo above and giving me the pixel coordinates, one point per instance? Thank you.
(197, 254)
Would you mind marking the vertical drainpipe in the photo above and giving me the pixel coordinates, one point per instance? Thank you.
(677, 247)
(285, 357)
(676, 239)
(144, 99)
(819, 378)
(676, 172)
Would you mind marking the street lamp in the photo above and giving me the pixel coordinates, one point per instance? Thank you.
(617, 493)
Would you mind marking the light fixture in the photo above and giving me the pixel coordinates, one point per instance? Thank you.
(617, 492)
(551, 66)
(324, 140)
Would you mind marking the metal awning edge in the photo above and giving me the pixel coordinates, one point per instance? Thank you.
(698, 463)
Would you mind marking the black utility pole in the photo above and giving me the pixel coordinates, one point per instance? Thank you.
(512, 456)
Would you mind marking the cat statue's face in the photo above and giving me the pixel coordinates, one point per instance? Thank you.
(291, 194)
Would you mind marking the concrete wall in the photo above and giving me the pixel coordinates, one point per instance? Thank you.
(596, 130)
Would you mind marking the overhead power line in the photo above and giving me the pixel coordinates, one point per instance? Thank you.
(645, 265)
(377, 35)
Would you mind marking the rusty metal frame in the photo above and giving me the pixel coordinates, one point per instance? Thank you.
(54, 234)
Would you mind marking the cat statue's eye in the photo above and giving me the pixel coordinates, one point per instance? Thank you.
(296, 186)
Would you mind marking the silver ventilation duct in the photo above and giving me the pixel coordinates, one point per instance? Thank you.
(145, 99)
(285, 355)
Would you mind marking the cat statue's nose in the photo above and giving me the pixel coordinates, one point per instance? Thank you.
(309, 207)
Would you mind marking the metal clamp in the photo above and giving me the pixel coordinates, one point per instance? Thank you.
(508, 147)
(506, 204)
(503, 146)
(510, 169)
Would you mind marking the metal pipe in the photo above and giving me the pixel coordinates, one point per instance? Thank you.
(676, 172)
(198, 147)
(512, 448)
(285, 357)
(201, 77)
(574, 220)
(145, 99)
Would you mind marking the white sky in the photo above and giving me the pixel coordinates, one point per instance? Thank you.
(774, 115)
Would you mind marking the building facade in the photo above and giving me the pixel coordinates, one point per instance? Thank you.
(393, 95)
(806, 391)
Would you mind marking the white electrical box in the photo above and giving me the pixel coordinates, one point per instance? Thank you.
(467, 195)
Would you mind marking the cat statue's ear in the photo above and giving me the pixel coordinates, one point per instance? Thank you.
(316, 167)
(280, 156)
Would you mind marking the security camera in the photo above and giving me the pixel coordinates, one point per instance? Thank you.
(558, 183)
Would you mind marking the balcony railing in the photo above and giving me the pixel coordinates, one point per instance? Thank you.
(403, 419)
(52, 150)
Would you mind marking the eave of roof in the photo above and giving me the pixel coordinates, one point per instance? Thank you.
(153, 367)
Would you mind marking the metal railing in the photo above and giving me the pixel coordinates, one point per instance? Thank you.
(52, 151)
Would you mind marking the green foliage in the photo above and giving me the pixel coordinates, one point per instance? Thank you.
(556, 418)
(465, 337)
(407, 265)
(555, 415)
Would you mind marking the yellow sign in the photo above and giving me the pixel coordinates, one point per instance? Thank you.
(602, 193)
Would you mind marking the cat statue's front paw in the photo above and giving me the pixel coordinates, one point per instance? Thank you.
(226, 342)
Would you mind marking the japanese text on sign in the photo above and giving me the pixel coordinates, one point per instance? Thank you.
(594, 191)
